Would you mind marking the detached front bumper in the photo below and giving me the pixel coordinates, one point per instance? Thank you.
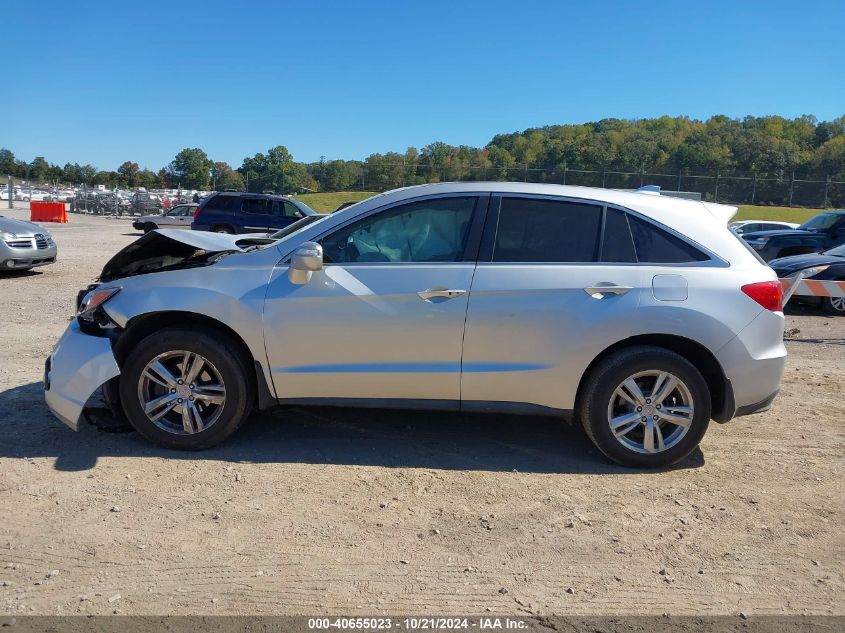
(78, 365)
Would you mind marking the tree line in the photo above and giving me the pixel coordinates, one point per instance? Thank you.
(768, 147)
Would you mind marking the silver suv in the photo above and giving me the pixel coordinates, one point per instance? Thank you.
(642, 316)
(24, 245)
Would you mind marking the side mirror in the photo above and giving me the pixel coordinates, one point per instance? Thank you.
(305, 260)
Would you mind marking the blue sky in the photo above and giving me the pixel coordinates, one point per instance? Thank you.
(104, 82)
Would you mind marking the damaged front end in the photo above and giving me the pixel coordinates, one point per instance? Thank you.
(83, 360)
(172, 249)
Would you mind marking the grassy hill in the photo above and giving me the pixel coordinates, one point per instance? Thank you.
(784, 214)
(326, 202)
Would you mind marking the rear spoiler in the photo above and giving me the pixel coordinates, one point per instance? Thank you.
(722, 212)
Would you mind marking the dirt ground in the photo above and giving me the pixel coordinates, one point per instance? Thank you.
(318, 511)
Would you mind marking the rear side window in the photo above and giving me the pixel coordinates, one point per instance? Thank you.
(656, 246)
(254, 205)
(618, 245)
(221, 203)
(535, 230)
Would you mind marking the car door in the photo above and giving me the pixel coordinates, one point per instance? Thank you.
(384, 319)
(254, 216)
(543, 304)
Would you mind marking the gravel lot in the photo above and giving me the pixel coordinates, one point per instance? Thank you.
(319, 511)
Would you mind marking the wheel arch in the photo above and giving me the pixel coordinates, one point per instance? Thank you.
(142, 325)
(721, 392)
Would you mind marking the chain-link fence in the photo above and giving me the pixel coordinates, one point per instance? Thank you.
(726, 188)
(123, 202)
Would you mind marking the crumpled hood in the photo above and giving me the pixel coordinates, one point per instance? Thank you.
(172, 249)
(20, 227)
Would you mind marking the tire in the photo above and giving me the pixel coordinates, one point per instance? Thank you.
(601, 401)
(150, 226)
(834, 306)
(222, 365)
(223, 228)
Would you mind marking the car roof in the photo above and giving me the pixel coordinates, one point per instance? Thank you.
(252, 193)
(647, 202)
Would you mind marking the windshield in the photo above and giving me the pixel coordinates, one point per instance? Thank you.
(298, 226)
(820, 222)
(839, 251)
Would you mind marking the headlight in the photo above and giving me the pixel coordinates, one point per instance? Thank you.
(815, 270)
(94, 300)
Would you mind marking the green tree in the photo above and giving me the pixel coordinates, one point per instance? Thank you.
(224, 178)
(191, 169)
(276, 172)
(129, 173)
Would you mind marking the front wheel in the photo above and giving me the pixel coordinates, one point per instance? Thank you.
(149, 226)
(186, 389)
(645, 407)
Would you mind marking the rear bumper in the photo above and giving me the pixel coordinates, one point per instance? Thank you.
(78, 365)
(753, 363)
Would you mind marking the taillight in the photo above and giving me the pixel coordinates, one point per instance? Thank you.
(196, 212)
(768, 294)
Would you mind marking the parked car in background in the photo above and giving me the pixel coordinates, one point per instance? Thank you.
(24, 245)
(34, 195)
(230, 212)
(179, 217)
(819, 233)
(826, 266)
(144, 203)
(642, 316)
(751, 226)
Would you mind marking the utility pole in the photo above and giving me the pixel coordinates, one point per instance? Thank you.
(9, 185)
(716, 193)
(754, 188)
(791, 187)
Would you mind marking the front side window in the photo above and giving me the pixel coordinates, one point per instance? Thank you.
(427, 231)
(538, 230)
(285, 209)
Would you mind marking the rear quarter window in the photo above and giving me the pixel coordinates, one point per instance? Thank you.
(654, 245)
(221, 203)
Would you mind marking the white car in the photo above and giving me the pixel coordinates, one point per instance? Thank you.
(179, 217)
(751, 226)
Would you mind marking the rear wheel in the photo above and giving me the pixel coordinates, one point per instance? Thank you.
(223, 228)
(834, 305)
(645, 407)
(185, 389)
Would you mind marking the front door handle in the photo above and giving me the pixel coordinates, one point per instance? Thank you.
(603, 288)
(432, 293)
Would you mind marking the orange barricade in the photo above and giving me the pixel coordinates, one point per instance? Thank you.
(47, 212)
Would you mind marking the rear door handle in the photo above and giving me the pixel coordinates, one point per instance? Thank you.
(432, 293)
(603, 288)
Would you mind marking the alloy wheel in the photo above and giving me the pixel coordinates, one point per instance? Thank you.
(650, 412)
(181, 392)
